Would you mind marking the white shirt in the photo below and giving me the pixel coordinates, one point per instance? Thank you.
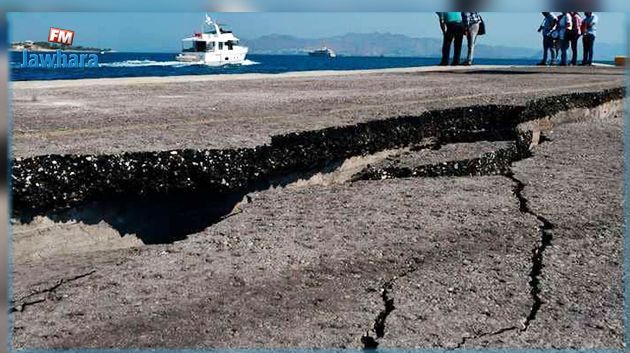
(565, 24)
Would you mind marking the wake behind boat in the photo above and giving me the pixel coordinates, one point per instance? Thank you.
(214, 45)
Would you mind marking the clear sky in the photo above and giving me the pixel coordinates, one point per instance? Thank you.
(162, 31)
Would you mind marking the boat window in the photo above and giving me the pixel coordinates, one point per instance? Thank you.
(200, 45)
(230, 44)
(187, 46)
(209, 29)
(220, 45)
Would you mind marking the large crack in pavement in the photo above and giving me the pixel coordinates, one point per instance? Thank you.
(53, 183)
(498, 162)
(368, 341)
(537, 260)
(490, 163)
(20, 304)
(186, 191)
(465, 339)
(371, 342)
(546, 236)
(493, 163)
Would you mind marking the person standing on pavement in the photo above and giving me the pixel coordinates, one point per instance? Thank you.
(565, 25)
(453, 31)
(472, 23)
(589, 28)
(547, 29)
(574, 35)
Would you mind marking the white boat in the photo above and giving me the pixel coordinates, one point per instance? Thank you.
(323, 52)
(214, 45)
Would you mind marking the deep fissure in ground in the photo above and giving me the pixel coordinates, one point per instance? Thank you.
(497, 162)
(369, 342)
(25, 301)
(185, 191)
(546, 236)
(492, 163)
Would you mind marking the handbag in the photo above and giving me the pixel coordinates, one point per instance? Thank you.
(482, 28)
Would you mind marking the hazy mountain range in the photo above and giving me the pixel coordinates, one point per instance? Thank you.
(387, 44)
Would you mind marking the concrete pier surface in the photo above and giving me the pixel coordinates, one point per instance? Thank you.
(99, 116)
(474, 207)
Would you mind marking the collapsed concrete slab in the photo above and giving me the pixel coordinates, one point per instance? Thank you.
(52, 181)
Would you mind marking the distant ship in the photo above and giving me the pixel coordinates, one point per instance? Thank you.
(323, 52)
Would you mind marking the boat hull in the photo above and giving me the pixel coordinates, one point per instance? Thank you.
(322, 55)
(225, 57)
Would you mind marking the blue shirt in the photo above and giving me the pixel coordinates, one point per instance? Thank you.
(450, 17)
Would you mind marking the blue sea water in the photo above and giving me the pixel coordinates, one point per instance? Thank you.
(164, 64)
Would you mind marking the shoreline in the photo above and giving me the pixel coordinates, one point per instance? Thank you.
(251, 76)
(105, 81)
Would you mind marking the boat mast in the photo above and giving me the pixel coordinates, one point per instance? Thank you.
(213, 24)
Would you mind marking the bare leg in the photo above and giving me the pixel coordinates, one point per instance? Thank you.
(471, 38)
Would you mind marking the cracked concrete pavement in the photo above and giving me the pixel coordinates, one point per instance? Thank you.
(404, 262)
(323, 266)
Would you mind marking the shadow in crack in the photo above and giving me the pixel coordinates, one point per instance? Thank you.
(162, 218)
(155, 219)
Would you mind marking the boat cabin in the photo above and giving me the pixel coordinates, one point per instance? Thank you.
(212, 38)
(213, 45)
(195, 44)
